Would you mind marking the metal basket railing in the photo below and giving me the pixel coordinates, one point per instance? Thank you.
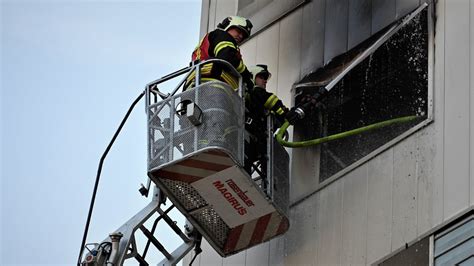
(196, 135)
(174, 134)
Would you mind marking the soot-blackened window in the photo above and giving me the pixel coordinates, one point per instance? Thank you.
(390, 83)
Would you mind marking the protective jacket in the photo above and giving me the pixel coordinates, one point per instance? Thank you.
(219, 44)
(259, 101)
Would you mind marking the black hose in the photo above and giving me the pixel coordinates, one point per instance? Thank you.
(99, 170)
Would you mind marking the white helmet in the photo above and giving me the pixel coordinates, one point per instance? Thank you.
(260, 70)
(238, 22)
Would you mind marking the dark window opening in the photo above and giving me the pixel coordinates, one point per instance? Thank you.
(455, 244)
(392, 82)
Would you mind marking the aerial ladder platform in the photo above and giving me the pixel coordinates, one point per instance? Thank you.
(196, 153)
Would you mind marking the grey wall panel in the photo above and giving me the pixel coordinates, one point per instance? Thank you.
(379, 206)
(212, 15)
(305, 165)
(264, 12)
(225, 8)
(208, 256)
(383, 13)
(303, 234)
(405, 6)
(267, 53)
(456, 139)
(187, 259)
(471, 86)
(249, 52)
(354, 218)
(330, 225)
(312, 41)
(427, 157)
(205, 5)
(439, 117)
(258, 255)
(277, 251)
(304, 171)
(289, 59)
(289, 55)
(335, 35)
(360, 22)
(237, 259)
(404, 189)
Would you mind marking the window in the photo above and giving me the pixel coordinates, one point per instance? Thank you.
(455, 245)
(390, 82)
(264, 12)
(450, 244)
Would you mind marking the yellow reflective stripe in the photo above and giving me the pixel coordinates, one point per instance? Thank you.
(223, 86)
(271, 101)
(223, 45)
(274, 101)
(280, 111)
(241, 67)
(206, 69)
(198, 53)
(190, 81)
(209, 79)
(229, 79)
(198, 49)
(229, 130)
(203, 142)
(191, 77)
(204, 80)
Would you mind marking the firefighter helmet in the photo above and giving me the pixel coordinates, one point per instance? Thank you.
(261, 70)
(238, 22)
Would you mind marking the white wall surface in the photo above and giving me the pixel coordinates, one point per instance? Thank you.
(457, 106)
(403, 192)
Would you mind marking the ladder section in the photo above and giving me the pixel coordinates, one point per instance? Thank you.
(121, 246)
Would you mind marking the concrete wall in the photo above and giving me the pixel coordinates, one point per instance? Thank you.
(403, 192)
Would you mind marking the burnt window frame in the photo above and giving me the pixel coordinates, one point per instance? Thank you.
(430, 104)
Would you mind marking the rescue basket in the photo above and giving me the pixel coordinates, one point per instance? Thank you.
(196, 157)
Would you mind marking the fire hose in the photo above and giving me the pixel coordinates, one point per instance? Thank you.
(307, 143)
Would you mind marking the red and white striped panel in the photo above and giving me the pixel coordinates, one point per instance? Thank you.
(260, 222)
(197, 167)
(256, 232)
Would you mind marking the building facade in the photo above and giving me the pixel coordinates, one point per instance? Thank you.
(406, 191)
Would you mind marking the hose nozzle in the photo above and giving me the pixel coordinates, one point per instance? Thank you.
(300, 112)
